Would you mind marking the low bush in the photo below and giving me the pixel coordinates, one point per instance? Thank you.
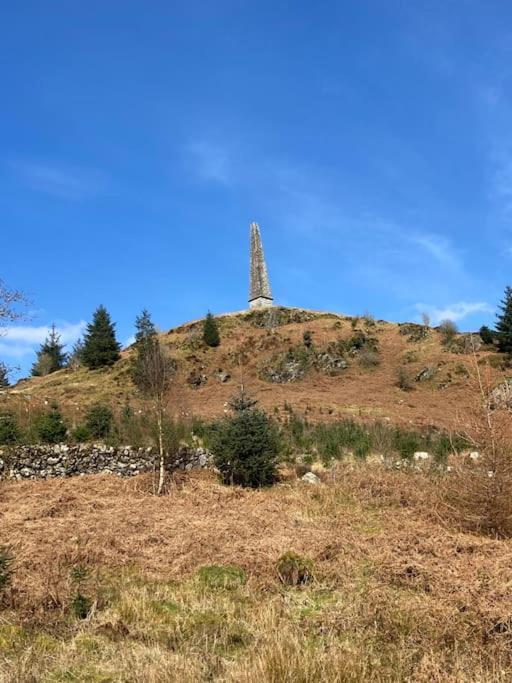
(81, 434)
(6, 568)
(368, 358)
(81, 604)
(222, 576)
(486, 335)
(294, 570)
(98, 421)
(334, 440)
(448, 331)
(9, 429)
(403, 379)
(50, 426)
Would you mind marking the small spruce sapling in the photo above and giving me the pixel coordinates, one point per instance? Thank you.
(51, 356)
(211, 335)
(246, 445)
(4, 376)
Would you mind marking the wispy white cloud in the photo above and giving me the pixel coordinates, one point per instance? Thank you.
(60, 180)
(457, 311)
(210, 162)
(17, 341)
(438, 247)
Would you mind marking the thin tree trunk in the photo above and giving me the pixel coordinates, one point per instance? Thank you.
(161, 451)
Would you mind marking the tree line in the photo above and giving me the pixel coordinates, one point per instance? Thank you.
(99, 346)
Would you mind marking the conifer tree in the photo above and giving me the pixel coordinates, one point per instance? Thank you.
(4, 376)
(210, 331)
(145, 340)
(144, 326)
(51, 356)
(246, 445)
(101, 347)
(504, 323)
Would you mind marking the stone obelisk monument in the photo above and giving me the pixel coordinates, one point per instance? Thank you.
(260, 294)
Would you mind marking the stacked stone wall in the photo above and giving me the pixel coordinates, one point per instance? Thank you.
(62, 460)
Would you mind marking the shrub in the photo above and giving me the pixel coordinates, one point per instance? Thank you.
(81, 434)
(404, 379)
(307, 339)
(294, 569)
(407, 443)
(222, 576)
(486, 335)
(368, 358)
(478, 492)
(98, 421)
(368, 319)
(9, 430)
(448, 330)
(6, 571)
(246, 446)
(50, 426)
(81, 604)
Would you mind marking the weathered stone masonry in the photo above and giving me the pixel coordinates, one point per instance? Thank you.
(62, 460)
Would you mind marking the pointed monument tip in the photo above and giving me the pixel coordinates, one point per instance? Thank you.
(260, 294)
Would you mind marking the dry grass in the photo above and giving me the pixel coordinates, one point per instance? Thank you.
(397, 594)
(370, 393)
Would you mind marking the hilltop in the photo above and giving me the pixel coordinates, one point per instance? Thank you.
(323, 366)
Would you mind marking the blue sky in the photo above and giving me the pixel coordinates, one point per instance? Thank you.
(372, 141)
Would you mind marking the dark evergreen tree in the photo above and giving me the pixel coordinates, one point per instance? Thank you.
(51, 356)
(504, 323)
(4, 376)
(246, 445)
(101, 347)
(211, 335)
(486, 335)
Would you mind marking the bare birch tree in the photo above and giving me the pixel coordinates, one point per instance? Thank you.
(12, 302)
(153, 374)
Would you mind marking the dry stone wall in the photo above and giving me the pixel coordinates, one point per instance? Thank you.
(62, 460)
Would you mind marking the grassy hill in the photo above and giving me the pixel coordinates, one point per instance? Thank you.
(351, 368)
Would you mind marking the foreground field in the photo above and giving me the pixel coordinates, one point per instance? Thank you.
(397, 593)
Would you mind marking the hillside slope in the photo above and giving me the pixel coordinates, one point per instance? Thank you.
(349, 368)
